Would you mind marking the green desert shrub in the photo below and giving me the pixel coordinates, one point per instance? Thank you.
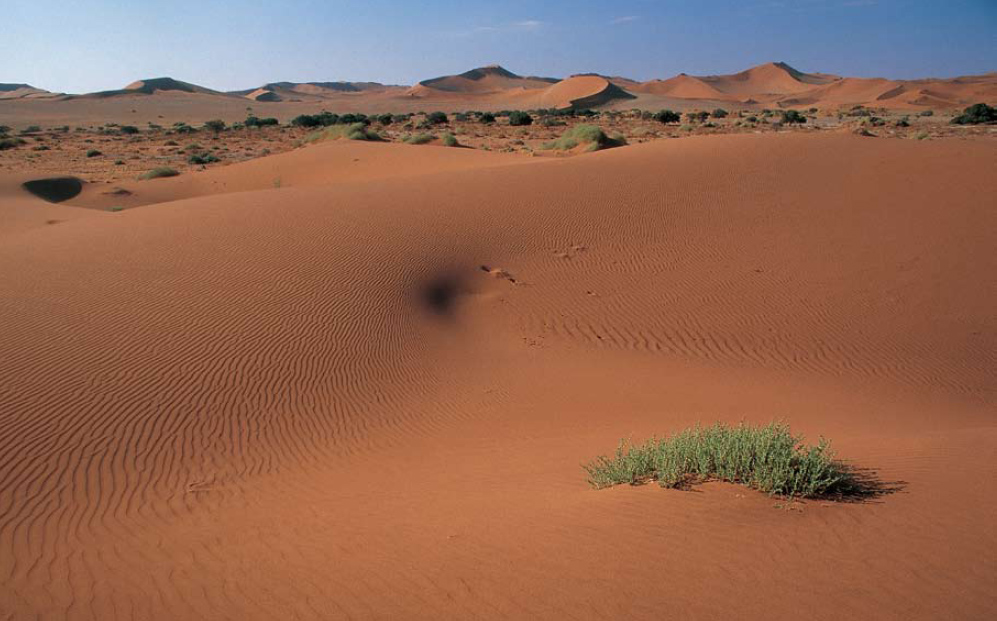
(10, 143)
(487, 118)
(93, 153)
(203, 158)
(770, 459)
(448, 140)
(385, 119)
(591, 135)
(977, 114)
(254, 121)
(667, 116)
(353, 131)
(719, 113)
(306, 120)
(128, 129)
(927, 113)
(697, 116)
(156, 173)
(437, 118)
(419, 138)
(518, 118)
(793, 116)
(215, 125)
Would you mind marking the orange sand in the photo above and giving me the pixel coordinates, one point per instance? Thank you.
(313, 402)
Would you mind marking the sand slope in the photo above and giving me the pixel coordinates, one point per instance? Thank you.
(369, 399)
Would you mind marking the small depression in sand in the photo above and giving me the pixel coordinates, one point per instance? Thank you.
(54, 189)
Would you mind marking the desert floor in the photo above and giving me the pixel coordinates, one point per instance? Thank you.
(365, 392)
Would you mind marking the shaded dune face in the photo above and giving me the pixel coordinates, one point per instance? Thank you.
(369, 398)
(55, 189)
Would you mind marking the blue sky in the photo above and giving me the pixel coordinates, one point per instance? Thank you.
(88, 45)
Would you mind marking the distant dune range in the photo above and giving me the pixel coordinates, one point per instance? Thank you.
(357, 380)
(775, 85)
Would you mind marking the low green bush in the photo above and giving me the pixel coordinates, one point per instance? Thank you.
(215, 125)
(793, 116)
(977, 114)
(770, 459)
(253, 121)
(667, 116)
(203, 158)
(353, 131)
(10, 143)
(449, 140)
(419, 138)
(93, 153)
(591, 135)
(519, 118)
(437, 118)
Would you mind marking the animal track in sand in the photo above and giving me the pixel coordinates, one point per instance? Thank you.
(571, 252)
(500, 274)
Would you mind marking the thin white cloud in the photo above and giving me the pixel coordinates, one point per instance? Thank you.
(625, 19)
(526, 25)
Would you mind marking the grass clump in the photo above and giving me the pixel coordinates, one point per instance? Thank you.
(591, 135)
(11, 143)
(353, 131)
(203, 158)
(156, 173)
(419, 138)
(449, 140)
(770, 459)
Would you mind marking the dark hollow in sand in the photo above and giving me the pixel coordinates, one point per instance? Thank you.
(55, 189)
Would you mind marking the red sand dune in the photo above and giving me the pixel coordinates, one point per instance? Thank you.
(319, 401)
(490, 79)
(23, 91)
(583, 91)
(682, 86)
(165, 100)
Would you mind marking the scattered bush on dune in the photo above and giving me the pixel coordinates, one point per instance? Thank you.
(487, 118)
(977, 114)
(419, 139)
(518, 118)
(591, 135)
(719, 113)
(215, 125)
(354, 131)
(667, 116)
(203, 158)
(769, 459)
(449, 140)
(253, 121)
(93, 153)
(10, 143)
(793, 116)
(437, 118)
(156, 173)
